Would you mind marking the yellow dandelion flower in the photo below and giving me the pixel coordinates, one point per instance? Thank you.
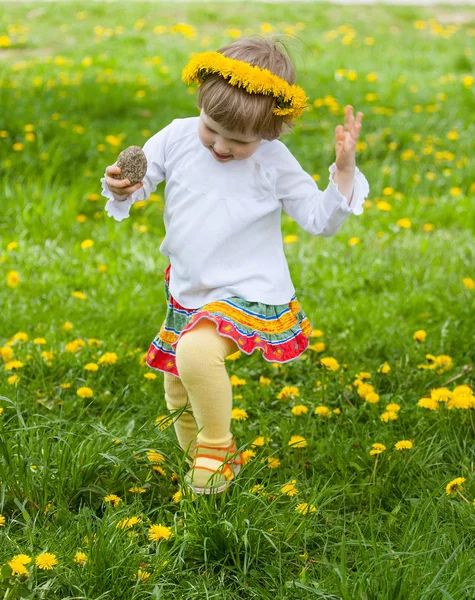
(13, 364)
(445, 362)
(389, 415)
(21, 336)
(235, 33)
(85, 392)
(305, 508)
(91, 367)
(177, 496)
(247, 456)
(297, 441)
(403, 445)
(429, 403)
(454, 485)
(257, 488)
(462, 389)
(266, 28)
(330, 363)
(75, 345)
(364, 389)
(47, 355)
(22, 559)
(377, 449)
(46, 561)
(322, 411)
(6, 353)
(2, 521)
(79, 295)
(158, 532)
(385, 368)
(259, 441)
(299, 409)
(288, 391)
(163, 421)
(235, 381)
(469, 283)
(405, 223)
(155, 457)
(318, 347)
(159, 469)
(108, 358)
(80, 558)
(17, 564)
(289, 488)
(87, 244)
(441, 394)
(137, 490)
(128, 523)
(113, 499)
(420, 335)
(13, 279)
(372, 397)
(142, 575)
(150, 376)
(39, 341)
(461, 401)
(272, 462)
(363, 375)
(239, 414)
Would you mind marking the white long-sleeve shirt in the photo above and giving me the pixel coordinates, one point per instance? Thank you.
(223, 220)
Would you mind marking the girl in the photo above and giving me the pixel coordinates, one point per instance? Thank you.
(228, 285)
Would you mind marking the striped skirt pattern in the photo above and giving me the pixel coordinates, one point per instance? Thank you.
(280, 332)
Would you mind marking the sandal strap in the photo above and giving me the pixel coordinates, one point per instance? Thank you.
(232, 446)
(224, 468)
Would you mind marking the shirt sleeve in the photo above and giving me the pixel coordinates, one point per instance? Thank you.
(321, 213)
(155, 151)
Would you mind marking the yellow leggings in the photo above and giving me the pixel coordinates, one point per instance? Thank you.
(203, 389)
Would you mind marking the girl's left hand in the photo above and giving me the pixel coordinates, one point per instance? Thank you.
(346, 138)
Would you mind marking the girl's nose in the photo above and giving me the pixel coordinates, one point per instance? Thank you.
(221, 147)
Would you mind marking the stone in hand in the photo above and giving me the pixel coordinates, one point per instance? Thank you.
(133, 165)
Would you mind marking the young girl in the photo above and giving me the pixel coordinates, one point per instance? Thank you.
(228, 285)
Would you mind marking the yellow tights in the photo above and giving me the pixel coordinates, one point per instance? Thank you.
(203, 389)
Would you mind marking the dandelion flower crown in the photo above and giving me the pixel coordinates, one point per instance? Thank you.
(291, 99)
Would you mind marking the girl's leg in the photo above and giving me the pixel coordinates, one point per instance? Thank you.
(176, 398)
(200, 355)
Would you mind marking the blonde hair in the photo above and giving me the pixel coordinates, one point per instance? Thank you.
(238, 110)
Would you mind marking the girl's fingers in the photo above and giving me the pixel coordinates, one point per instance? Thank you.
(118, 183)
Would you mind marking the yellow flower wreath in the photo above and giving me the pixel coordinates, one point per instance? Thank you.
(291, 99)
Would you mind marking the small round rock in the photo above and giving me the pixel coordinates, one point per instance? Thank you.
(132, 163)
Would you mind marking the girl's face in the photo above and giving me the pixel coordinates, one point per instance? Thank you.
(225, 145)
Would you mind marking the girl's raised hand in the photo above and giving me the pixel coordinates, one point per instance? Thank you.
(121, 187)
(345, 140)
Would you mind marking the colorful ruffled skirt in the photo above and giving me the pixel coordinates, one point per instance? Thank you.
(280, 332)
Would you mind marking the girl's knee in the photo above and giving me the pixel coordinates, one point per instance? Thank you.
(203, 345)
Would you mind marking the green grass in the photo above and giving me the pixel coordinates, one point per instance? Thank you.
(384, 527)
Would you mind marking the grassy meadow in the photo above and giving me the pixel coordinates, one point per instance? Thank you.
(359, 480)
